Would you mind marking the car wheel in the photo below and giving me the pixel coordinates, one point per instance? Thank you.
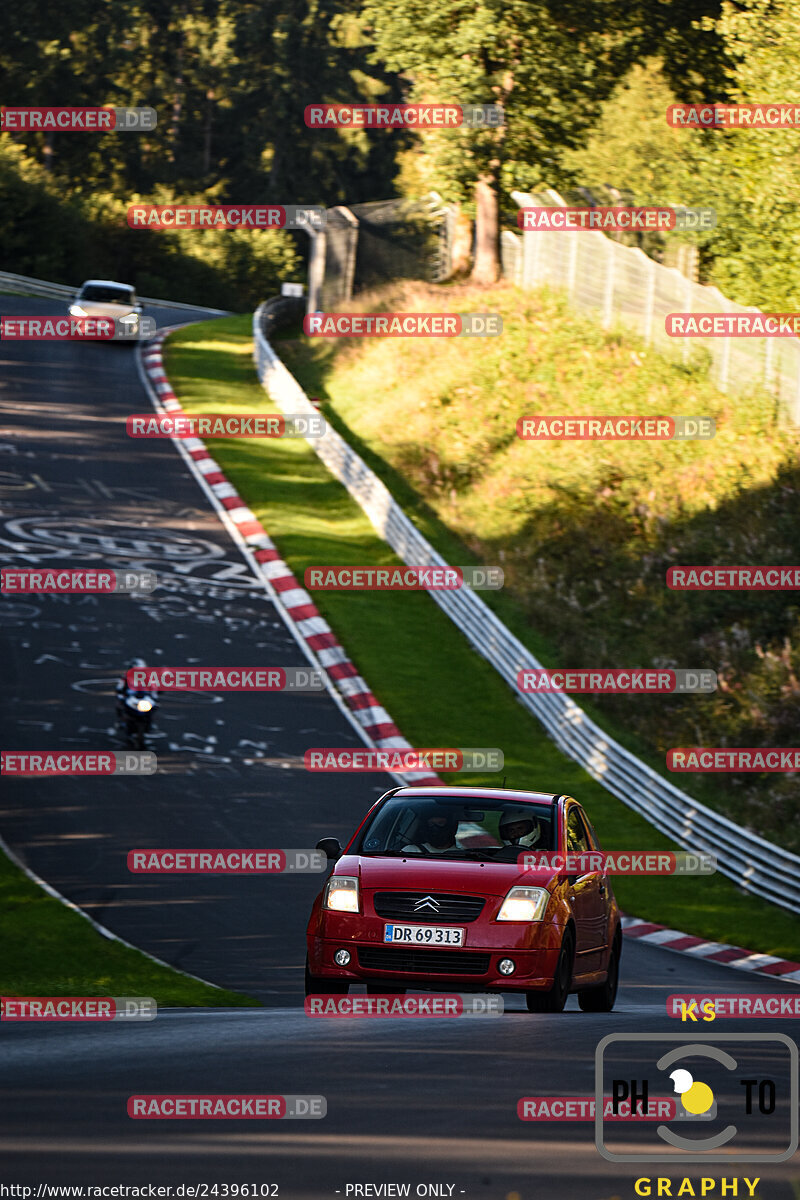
(556, 998)
(384, 989)
(317, 986)
(602, 998)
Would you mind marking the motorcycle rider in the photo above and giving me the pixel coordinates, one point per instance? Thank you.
(124, 690)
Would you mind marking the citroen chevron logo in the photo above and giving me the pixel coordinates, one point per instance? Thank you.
(426, 902)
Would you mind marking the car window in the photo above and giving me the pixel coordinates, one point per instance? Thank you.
(577, 837)
(107, 295)
(594, 843)
(454, 827)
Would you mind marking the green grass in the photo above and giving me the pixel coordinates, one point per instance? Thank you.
(417, 663)
(586, 531)
(50, 950)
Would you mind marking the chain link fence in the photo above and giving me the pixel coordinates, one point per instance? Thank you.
(623, 284)
(367, 245)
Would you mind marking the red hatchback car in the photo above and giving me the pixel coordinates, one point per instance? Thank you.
(429, 894)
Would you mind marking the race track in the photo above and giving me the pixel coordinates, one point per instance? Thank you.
(408, 1101)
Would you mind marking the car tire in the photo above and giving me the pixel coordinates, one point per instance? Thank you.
(384, 989)
(603, 997)
(317, 986)
(555, 999)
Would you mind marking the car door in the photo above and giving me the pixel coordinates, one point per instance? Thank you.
(587, 898)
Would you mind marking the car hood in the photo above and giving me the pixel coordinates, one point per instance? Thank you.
(101, 308)
(431, 874)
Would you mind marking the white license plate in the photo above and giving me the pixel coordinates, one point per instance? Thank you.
(424, 935)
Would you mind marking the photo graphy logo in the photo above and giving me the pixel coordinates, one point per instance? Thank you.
(736, 1096)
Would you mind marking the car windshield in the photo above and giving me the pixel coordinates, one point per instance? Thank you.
(107, 295)
(458, 827)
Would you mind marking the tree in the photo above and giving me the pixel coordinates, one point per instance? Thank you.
(547, 74)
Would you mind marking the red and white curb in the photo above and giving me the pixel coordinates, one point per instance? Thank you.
(718, 952)
(309, 627)
(321, 646)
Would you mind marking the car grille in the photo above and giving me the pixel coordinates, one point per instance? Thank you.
(400, 906)
(423, 962)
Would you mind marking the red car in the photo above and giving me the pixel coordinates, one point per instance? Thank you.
(429, 894)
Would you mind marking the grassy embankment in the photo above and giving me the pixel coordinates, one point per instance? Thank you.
(50, 950)
(436, 688)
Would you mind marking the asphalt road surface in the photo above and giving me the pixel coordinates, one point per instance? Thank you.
(427, 1103)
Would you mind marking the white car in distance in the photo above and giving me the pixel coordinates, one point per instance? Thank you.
(104, 298)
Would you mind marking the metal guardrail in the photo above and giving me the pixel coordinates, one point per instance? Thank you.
(754, 864)
(24, 285)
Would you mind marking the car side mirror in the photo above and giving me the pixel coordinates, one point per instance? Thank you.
(330, 847)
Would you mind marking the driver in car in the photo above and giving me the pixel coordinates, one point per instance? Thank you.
(519, 831)
(437, 828)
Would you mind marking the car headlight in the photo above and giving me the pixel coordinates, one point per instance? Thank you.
(144, 705)
(341, 894)
(524, 904)
(75, 310)
(130, 319)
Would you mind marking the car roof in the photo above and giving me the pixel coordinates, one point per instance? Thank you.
(107, 283)
(481, 793)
